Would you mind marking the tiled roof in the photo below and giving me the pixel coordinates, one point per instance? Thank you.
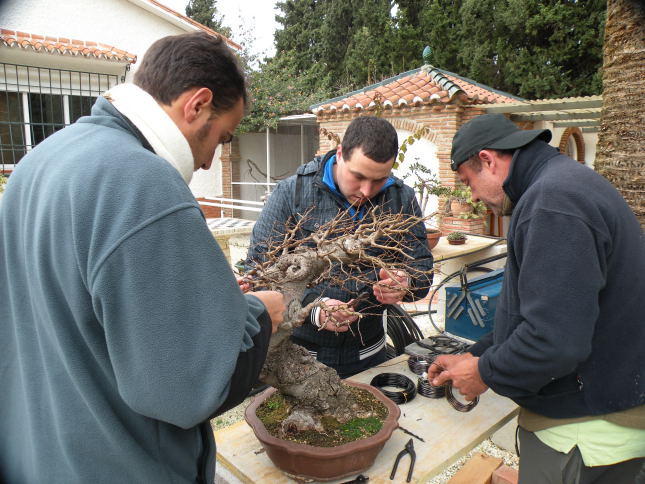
(193, 23)
(64, 46)
(424, 86)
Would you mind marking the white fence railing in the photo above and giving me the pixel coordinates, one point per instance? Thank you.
(232, 203)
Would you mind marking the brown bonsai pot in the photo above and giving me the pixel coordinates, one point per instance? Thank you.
(433, 236)
(457, 241)
(323, 463)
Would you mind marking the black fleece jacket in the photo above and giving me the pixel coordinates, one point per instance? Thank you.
(569, 336)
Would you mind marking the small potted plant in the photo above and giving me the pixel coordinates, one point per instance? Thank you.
(456, 238)
(462, 205)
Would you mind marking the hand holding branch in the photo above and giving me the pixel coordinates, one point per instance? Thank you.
(244, 283)
(336, 315)
(391, 287)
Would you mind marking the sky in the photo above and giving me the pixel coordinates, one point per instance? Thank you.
(257, 16)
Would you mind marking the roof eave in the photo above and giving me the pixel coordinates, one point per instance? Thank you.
(180, 20)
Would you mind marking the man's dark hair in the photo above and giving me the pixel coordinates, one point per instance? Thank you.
(176, 63)
(375, 136)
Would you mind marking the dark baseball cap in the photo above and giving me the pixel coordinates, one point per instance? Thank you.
(493, 131)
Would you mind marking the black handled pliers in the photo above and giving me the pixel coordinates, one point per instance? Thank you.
(409, 449)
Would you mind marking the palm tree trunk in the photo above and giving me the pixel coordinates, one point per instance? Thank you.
(620, 153)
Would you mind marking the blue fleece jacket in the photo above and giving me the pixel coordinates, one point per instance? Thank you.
(570, 321)
(121, 323)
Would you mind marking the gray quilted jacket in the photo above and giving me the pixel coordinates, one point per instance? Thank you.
(306, 190)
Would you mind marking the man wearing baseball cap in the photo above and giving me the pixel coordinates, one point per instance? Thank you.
(567, 345)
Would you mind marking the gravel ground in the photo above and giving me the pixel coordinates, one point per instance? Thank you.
(486, 447)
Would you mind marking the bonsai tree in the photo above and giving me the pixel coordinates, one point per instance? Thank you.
(290, 266)
(464, 206)
(425, 184)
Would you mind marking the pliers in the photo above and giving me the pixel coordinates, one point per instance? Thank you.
(409, 449)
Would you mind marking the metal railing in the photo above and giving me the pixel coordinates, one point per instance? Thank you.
(232, 203)
(36, 101)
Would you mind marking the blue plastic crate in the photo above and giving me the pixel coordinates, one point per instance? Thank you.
(470, 314)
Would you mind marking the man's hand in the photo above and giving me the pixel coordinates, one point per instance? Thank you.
(244, 283)
(274, 303)
(462, 370)
(336, 315)
(391, 287)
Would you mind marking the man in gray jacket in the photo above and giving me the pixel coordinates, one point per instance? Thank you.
(349, 179)
(122, 328)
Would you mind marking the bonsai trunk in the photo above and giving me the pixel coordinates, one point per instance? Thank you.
(315, 389)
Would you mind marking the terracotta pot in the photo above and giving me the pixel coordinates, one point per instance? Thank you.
(433, 236)
(457, 241)
(457, 208)
(323, 463)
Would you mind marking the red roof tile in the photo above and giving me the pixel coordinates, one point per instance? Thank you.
(63, 46)
(431, 85)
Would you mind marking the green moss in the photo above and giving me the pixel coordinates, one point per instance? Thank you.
(273, 411)
(359, 428)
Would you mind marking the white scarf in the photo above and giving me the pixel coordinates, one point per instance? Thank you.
(155, 125)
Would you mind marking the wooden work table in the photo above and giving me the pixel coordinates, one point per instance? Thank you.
(448, 435)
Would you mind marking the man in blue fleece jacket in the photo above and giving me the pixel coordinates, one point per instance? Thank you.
(122, 328)
(567, 345)
(350, 179)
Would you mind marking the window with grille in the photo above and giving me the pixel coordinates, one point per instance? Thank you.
(35, 102)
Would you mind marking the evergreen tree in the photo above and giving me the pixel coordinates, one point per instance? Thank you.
(534, 49)
(205, 12)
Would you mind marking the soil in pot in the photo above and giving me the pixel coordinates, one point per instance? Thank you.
(276, 409)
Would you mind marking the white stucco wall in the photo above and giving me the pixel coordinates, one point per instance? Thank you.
(208, 183)
(123, 24)
(425, 152)
(590, 140)
(119, 23)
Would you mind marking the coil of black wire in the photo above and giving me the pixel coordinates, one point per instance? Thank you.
(398, 381)
(428, 390)
(419, 364)
(456, 404)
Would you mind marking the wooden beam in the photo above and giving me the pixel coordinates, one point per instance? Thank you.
(478, 470)
(560, 115)
(590, 102)
(576, 124)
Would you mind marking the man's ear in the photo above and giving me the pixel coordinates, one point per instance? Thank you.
(198, 104)
(489, 159)
(339, 152)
